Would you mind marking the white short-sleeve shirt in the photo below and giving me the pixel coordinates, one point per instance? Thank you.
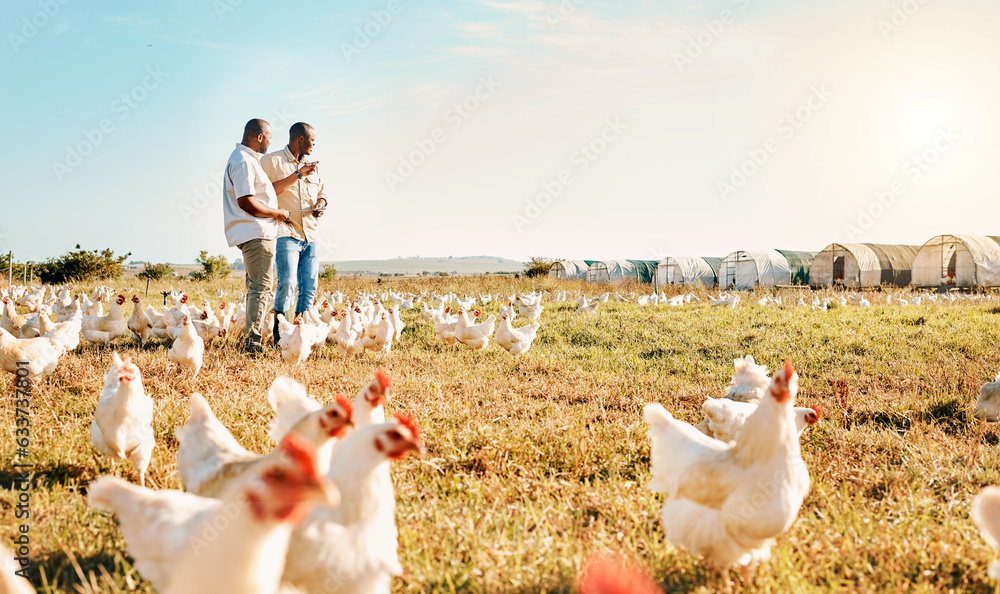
(245, 177)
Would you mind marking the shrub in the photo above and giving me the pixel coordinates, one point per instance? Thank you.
(538, 267)
(328, 272)
(155, 272)
(81, 265)
(212, 267)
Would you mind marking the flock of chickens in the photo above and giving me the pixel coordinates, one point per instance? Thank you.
(317, 513)
(353, 326)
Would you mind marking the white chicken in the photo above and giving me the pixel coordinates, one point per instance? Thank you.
(72, 310)
(122, 426)
(347, 337)
(379, 335)
(296, 344)
(209, 459)
(188, 349)
(176, 541)
(749, 380)
(724, 418)
(531, 310)
(444, 326)
(38, 325)
(41, 354)
(9, 318)
(106, 328)
(515, 341)
(205, 446)
(729, 502)
(67, 334)
(352, 548)
(397, 323)
(986, 516)
(207, 332)
(474, 336)
(139, 323)
(12, 582)
(586, 307)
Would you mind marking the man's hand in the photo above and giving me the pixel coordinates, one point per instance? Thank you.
(320, 208)
(308, 168)
(280, 215)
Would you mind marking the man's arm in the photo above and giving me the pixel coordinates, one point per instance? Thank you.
(255, 209)
(321, 201)
(283, 184)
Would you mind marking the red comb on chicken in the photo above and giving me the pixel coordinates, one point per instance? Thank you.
(346, 404)
(301, 452)
(779, 383)
(407, 421)
(128, 371)
(813, 418)
(382, 377)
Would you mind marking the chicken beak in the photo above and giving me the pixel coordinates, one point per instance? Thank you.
(416, 447)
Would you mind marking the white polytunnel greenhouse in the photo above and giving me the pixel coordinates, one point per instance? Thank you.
(604, 271)
(570, 269)
(680, 270)
(769, 268)
(958, 260)
(863, 265)
(747, 269)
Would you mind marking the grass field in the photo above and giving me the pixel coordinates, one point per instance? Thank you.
(538, 461)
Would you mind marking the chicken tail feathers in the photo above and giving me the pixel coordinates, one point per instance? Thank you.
(655, 415)
(109, 493)
(290, 402)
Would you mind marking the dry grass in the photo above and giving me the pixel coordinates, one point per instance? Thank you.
(536, 462)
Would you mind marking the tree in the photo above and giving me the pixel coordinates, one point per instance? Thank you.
(155, 272)
(81, 265)
(538, 267)
(212, 267)
(329, 271)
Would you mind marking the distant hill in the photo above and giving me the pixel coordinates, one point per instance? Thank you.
(417, 266)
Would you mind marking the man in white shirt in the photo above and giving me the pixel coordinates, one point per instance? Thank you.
(251, 213)
(297, 259)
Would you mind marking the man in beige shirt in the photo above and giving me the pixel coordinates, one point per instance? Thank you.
(253, 218)
(296, 255)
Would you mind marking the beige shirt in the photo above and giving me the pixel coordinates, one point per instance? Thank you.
(301, 196)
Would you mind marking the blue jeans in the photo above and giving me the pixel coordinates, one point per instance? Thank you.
(295, 260)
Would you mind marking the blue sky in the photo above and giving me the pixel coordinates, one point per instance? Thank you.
(573, 128)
